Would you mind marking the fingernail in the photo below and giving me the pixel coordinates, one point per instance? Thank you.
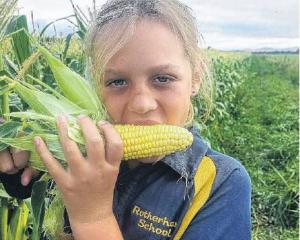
(102, 122)
(81, 116)
(37, 141)
(62, 119)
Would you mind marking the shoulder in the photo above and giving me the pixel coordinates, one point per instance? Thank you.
(227, 209)
(231, 175)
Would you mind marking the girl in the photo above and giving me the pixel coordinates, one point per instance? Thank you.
(144, 58)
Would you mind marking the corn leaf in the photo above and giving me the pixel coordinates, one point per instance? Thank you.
(3, 218)
(67, 45)
(32, 116)
(10, 130)
(51, 23)
(5, 89)
(18, 30)
(47, 104)
(26, 143)
(7, 8)
(74, 87)
(16, 225)
(38, 207)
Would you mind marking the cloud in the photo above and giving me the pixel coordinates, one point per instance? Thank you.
(250, 17)
(232, 24)
(227, 23)
(45, 9)
(225, 42)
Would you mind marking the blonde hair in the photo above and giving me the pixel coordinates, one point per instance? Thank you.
(115, 23)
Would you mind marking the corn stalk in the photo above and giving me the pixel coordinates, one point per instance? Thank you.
(18, 223)
(3, 218)
(7, 9)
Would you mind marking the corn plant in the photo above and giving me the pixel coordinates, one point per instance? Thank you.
(13, 221)
(7, 8)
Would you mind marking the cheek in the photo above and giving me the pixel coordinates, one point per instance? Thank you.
(113, 106)
(177, 105)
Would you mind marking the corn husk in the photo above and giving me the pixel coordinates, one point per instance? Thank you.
(74, 87)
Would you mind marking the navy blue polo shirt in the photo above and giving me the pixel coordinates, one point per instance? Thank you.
(151, 200)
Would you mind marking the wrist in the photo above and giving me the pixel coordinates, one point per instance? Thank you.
(106, 228)
(89, 214)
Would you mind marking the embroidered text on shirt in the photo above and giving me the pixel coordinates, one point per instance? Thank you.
(149, 222)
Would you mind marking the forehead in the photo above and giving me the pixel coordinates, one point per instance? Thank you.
(151, 41)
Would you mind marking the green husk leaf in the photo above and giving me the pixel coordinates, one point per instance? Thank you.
(73, 86)
(44, 103)
(26, 143)
(47, 103)
(52, 141)
(74, 130)
(75, 134)
(32, 116)
(8, 129)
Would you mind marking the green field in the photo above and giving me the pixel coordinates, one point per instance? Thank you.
(260, 128)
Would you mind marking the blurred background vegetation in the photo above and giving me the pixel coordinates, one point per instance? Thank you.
(254, 119)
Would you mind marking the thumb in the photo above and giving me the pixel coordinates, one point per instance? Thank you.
(28, 174)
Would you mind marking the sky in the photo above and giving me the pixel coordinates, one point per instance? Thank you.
(224, 24)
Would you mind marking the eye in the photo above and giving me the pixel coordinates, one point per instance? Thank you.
(116, 83)
(164, 79)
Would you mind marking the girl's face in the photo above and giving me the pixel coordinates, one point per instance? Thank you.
(149, 81)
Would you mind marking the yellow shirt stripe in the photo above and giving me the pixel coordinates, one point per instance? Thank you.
(203, 180)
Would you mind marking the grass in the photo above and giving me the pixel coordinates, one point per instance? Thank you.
(262, 132)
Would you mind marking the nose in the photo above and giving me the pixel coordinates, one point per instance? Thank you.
(142, 100)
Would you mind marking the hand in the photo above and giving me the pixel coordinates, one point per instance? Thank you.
(13, 160)
(87, 185)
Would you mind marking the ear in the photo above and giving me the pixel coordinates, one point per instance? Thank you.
(196, 83)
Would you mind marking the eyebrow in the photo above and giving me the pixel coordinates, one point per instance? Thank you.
(158, 68)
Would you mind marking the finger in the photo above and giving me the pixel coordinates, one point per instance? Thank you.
(93, 141)
(54, 168)
(20, 157)
(113, 143)
(71, 151)
(28, 174)
(6, 163)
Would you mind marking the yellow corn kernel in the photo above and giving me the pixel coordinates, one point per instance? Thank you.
(152, 140)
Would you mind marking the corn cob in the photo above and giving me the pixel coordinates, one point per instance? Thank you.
(154, 140)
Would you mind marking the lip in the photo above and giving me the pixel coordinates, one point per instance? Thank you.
(143, 122)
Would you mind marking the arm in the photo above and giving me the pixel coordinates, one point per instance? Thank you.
(227, 215)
